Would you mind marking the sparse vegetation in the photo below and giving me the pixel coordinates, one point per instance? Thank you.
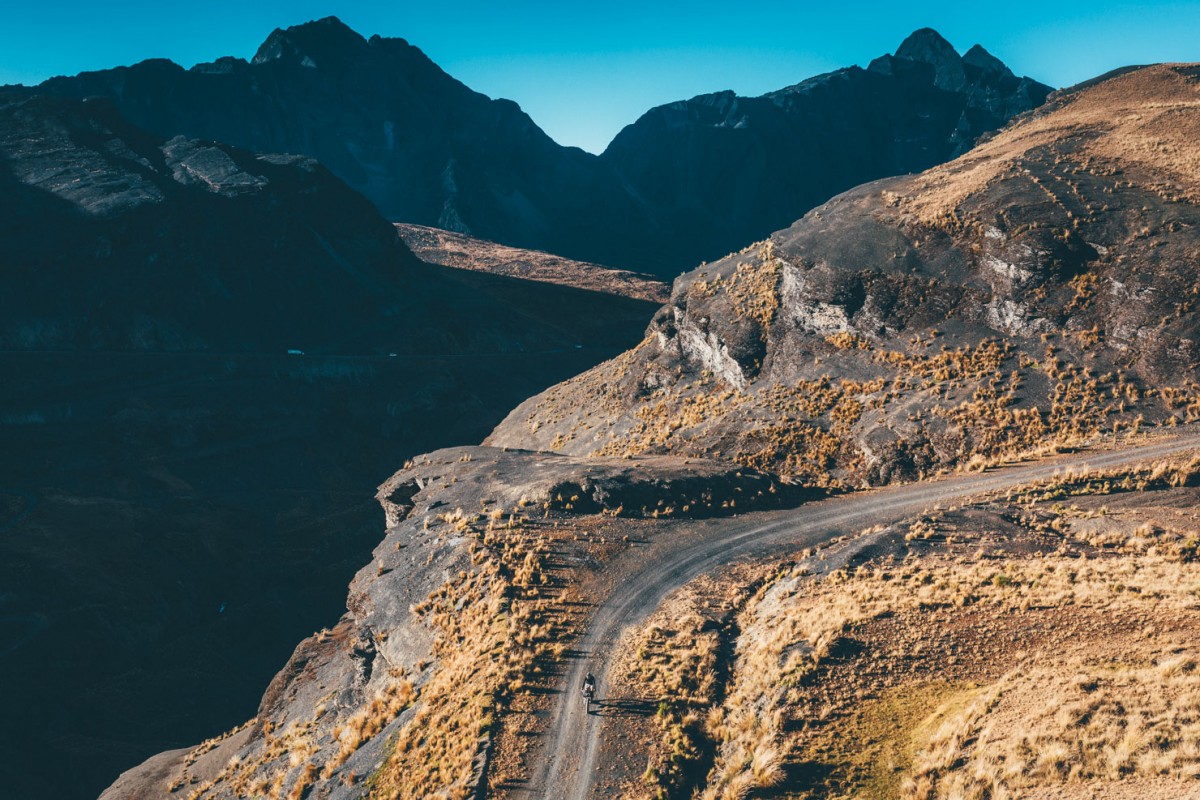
(496, 626)
(676, 662)
(910, 674)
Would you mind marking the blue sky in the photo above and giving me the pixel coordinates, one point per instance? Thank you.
(583, 71)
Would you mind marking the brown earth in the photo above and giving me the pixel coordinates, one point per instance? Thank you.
(460, 251)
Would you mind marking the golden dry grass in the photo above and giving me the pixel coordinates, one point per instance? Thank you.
(1080, 712)
(496, 625)
(673, 661)
(1067, 724)
(1149, 118)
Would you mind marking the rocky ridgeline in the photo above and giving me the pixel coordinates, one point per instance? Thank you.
(688, 181)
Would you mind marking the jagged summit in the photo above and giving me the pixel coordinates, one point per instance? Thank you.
(952, 72)
(323, 38)
(926, 44)
(920, 50)
(977, 56)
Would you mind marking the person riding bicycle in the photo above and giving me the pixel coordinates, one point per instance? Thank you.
(589, 685)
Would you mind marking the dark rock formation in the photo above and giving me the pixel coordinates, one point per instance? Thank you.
(721, 171)
(116, 240)
(688, 181)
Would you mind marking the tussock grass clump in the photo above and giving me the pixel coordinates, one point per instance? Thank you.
(496, 625)
(677, 661)
(1084, 709)
(1043, 727)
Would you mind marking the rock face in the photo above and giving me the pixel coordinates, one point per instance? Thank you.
(181, 499)
(688, 181)
(1037, 290)
(722, 170)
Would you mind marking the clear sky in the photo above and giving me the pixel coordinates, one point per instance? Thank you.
(584, 70)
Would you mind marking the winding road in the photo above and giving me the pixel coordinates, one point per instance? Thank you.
(565, 768)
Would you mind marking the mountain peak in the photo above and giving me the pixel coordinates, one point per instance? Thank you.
(310, 43)
(977, 56)
(929, 46)
(924, 44)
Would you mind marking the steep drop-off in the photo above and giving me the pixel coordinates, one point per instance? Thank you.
(181, 499)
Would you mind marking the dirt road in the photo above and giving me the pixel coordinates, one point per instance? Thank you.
(566, 765)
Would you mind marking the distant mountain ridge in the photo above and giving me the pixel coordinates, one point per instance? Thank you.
(723, 170)
(688, 181)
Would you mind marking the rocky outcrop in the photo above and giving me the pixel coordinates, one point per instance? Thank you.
(1035, 291)
(688, 181)
(450, 249)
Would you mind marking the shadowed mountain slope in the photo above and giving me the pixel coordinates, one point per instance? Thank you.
(181, 499)
(688, 181)
(722, 171)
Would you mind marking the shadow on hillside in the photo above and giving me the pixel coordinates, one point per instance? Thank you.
(625, 707)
